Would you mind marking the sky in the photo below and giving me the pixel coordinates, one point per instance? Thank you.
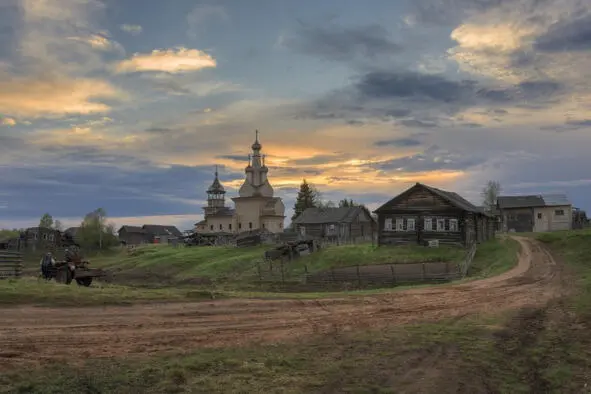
(128, 105)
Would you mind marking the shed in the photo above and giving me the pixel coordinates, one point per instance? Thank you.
(132, 235)
(343, 224)
(424, 213)
(156, 233)
(535, 213)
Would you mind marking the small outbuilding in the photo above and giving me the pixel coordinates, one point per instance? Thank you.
(425, 214)
(535, 213)
(345, 224)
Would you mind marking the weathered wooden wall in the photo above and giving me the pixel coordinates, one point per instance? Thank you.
(11, 264)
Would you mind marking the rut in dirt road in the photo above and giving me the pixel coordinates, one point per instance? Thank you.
(35, 335)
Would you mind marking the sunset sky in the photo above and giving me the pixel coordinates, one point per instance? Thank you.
(129, 104)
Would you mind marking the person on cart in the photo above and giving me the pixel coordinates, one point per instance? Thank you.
(47, 264)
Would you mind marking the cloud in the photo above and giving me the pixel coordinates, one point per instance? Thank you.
(203, 14)
(134, 30)
(399, 142)
(100, 42)
(6, 121)
(566, 35)
(431, 100)
(176, 60)
(55, 96)
(340, 43)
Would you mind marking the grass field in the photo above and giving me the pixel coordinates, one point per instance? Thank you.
(169, 264)
(174, 273)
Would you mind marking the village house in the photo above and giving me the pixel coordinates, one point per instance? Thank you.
(343, 224)
(535, 213)
(255, 208)
(423, 213)
(149, 234)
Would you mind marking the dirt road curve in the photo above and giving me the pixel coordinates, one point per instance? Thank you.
(34, 335)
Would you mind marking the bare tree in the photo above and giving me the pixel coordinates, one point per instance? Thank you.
(489, 194)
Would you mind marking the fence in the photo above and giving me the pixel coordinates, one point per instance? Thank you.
(280, 273)
(11, 264)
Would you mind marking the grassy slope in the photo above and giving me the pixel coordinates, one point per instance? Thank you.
(215, 262)
(491, 259)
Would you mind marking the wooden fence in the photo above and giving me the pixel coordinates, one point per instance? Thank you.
(11, 264)
(363, 276)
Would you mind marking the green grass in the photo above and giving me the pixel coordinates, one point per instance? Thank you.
(494, 257)
(41, 292)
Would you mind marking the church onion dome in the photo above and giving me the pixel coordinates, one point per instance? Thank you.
(256, 146)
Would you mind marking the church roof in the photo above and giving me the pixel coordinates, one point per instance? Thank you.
(216, 186)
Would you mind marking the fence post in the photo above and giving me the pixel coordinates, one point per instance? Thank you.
(393, 275)
(259, 271)
(358, 277)
(423, 269)
(282, 273)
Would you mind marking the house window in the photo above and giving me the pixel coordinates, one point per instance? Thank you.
(399, 224)
(302, 230)
(263, 225)
(410, 224)
(45, 237)
(211, 227)
(539, 215)
(331, 228)
(51, 237)
(440, 224)
(453, 224)
(221, 227)
(388, 224)
(230, 226)
(559, 212)
(35, 236)
(249, 224)
(239, 226)
(428, 224)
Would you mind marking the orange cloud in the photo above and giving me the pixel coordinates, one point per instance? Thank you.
(6, 121)
(56, 96)
(169, 60)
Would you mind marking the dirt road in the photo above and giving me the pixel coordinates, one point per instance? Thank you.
(34, 334)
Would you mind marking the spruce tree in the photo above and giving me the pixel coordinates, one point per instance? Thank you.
(307, 198)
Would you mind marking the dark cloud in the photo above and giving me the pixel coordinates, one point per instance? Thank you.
(418, 123)
(158, 130)
(471, 125)
(427, 98)
(354, 122)
(340, 43)
(566, 35)
(399, 142)
(432, 159)
(579, 123)
(319, 159)
(241, 158)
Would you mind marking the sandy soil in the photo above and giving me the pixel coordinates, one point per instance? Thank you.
(36, 334)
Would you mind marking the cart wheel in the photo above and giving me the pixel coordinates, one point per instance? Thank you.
(63, 275)
(84, 282)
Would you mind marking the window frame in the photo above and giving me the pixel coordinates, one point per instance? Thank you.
(442, 227)
(456, 224)
(410, 221)
(388, 224)
(400, 224)
(428, 221)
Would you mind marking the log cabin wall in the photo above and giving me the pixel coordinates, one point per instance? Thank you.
(419, 216)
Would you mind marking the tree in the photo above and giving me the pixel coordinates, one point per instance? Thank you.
(46, 221)
(308, 197)
(58, 225)
(489, 194)
(95, 233)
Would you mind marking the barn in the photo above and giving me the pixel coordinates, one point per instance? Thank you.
(424, 213)
(535, 213)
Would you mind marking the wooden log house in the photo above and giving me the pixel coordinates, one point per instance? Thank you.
(424, 213)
